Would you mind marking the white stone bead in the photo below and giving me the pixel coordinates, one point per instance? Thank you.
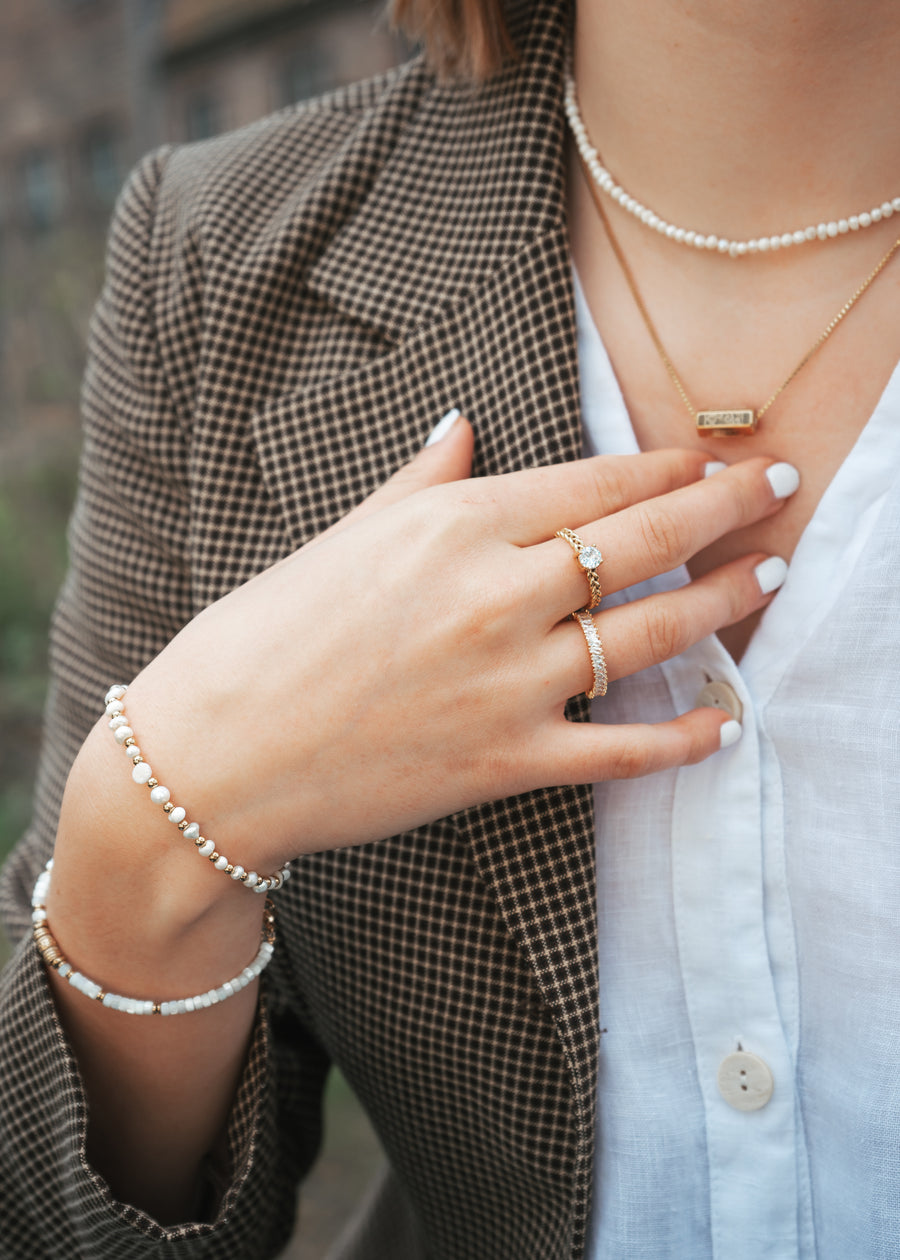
(159, 795)
(177, 814)
(286, 872)
(206, 849)
(114, 708)
(39, 916)
(119, 720)
(238, 872)
(221, 862)
(115, 692)
(192, 831)
(141, 772)
(865, 220)
(121, 733)
(133, 751)
(64, 969)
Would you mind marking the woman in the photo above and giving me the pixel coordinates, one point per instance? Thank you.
(287, 313)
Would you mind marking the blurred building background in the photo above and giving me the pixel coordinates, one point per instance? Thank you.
(87, 87)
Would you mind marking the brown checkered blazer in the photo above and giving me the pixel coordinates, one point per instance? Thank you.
(287, 312)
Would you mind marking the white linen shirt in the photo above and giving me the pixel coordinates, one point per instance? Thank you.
(752, 903)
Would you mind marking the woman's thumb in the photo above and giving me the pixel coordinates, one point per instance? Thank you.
(446, 456)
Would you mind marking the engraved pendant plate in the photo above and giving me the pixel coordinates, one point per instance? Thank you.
(726, 423)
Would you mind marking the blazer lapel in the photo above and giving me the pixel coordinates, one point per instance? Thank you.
(458, 256)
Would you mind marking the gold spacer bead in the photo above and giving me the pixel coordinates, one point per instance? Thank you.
(138, 759)
(229, 868)
(184, 823)
(156, 1008)
(152, 783)
(168, 807)
(214, 856)
(100, 996)
(129, 741)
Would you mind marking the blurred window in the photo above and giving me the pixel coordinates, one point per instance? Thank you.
(102, 163)
(42, 186)
(202, 116)
(307, 72)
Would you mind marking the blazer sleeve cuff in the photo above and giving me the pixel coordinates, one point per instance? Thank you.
(54, 1203)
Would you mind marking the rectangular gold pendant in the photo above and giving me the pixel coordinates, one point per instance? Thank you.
(726, 423)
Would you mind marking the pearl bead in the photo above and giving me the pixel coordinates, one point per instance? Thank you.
(895, 202)
(843, 227)
(159, 795)
(854, 223)
(115, 693)
(141, 772)
(886, 209)
(799, 238)
(237, 873)
(117, 721)
(114, 708)
(787, 239)
(206, 849)
(811, 233)
(774, 242)
(221, 862)
(192, 831)
(874, 215)
(121, 733)
(865, 220)
(177, 815)
(252, 879)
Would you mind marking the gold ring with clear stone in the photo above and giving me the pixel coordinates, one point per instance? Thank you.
(595, 648)
(589, 559)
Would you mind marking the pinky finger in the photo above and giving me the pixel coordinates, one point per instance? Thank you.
(594, 752)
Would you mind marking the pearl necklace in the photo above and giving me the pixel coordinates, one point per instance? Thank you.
(699, 240)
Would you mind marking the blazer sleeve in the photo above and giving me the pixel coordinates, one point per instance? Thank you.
(127, 592)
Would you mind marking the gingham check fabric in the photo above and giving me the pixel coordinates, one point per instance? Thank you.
(287, 312)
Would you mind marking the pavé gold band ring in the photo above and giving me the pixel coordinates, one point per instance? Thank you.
(595, 648)
(589, 560)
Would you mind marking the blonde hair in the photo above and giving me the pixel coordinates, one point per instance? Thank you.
(462, 38)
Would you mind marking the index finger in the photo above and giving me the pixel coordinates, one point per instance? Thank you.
(529, 505)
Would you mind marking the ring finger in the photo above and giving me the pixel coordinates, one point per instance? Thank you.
(655, 628)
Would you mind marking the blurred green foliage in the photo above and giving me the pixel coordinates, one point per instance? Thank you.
(35, 501)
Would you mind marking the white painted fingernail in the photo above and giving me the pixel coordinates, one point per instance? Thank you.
(770, 574)
(729, 733)
(784, 479)
(443, 426)
(714, 466)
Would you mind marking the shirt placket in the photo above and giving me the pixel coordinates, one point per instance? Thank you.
(743, 1053)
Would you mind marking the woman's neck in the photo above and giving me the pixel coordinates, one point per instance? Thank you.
(744, 117)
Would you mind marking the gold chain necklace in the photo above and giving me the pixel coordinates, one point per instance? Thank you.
(736, 421)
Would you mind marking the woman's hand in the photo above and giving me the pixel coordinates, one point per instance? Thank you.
(416, 659)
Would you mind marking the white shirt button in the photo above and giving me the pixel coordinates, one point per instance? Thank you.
(745, 1081)
(718, 695)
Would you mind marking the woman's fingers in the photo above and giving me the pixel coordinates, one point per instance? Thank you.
(659, 534)
(528, 507)
(654, 629)
(591, 753)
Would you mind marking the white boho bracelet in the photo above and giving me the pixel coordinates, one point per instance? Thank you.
(55, 958)
(160, 795)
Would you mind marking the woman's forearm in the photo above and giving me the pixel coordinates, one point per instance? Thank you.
(135, 910)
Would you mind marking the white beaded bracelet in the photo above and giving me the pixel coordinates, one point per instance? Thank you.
(55, 958)
(160, 795)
